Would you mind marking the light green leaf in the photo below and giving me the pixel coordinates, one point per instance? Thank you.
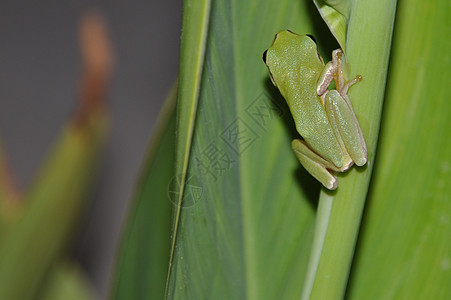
(405, 246)
(367, 55)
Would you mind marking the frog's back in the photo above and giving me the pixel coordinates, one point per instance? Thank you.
(295, 67)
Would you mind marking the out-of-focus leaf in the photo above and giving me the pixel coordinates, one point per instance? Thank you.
(66, 281)
(8, 193)
(405, 244)
(51, 209)
(144, 255)
(30, 245)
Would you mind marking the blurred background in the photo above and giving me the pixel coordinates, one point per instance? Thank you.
(39, 84)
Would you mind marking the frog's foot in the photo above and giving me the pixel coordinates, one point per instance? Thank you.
(316, 165)
(344, 90)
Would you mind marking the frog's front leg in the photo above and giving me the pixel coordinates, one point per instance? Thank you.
(331, 71)
(315, 164)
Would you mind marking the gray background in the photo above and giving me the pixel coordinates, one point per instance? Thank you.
(39, 72)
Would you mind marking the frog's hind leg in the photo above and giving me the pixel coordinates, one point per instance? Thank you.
(347, 126)
(314, 164)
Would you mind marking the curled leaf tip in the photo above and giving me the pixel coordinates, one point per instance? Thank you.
(336, 15)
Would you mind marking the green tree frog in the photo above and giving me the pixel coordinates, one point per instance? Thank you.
(333, 140)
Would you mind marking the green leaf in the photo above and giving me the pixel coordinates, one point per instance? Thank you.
(367, 54)
(196, 15)
(244, 225)
(245, 208)
(38, 229)
(192, 50)
(66, 280)
(51, 208)
(336, 15)
(404, 250)
(144, 255)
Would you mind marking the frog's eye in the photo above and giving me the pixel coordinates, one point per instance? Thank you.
(312, 38)
(264, 56)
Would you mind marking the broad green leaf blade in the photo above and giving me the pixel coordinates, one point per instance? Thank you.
(405, 243)
(246, 219)
(143, 259)
(368, 47)
(51, 208)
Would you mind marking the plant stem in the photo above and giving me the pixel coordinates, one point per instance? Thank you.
(368, 46)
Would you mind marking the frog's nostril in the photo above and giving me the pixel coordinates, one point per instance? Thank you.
(264, 56)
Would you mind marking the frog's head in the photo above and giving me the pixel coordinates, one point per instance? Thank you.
(289, 52)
